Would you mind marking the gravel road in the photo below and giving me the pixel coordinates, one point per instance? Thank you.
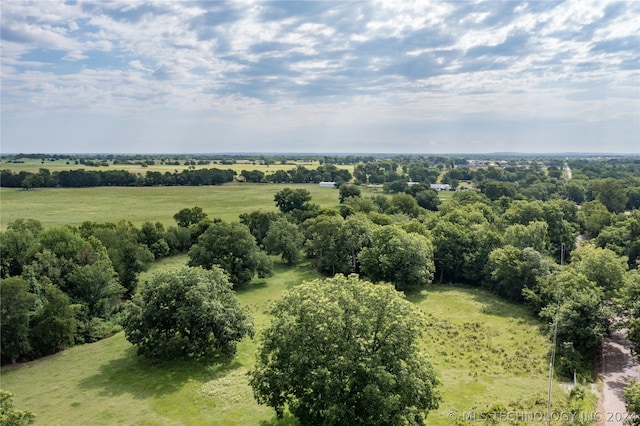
(618, 367)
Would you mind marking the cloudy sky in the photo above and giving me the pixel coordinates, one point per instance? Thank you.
(320, 76)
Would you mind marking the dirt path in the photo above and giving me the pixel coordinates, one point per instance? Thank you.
(618, 367)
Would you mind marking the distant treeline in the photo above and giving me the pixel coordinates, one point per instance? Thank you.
(82, 178)
(87, 178)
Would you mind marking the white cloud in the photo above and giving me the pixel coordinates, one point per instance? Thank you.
(304, 65)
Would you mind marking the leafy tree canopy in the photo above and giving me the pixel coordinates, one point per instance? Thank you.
(396, 256)
(344, 351)
(232, 247)
(9, 416)
(188, 312)
(289, 199)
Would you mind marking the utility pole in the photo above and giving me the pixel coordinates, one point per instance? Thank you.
(555, 338)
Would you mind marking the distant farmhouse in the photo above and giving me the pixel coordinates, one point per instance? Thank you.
(441, 186)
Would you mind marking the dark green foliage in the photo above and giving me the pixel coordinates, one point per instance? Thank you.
(178, 239)
(511, 269)
(582, 318)
(325, 244)
(285, 239)
(289, 199)
(258, 223)
(128, 256)
(428, 199)
(53, 326)
(611, 193)
(232, 247)
(94, 284)
(343, 351)
(17, 245)
(623, 237)
(404, 204)
(153, 236)
(15, 309)
(593, 217)
(188, 312)
(349, 191)
(463, 237)
(255, 176)
(187, 217)
(395, 187)
(601, 266)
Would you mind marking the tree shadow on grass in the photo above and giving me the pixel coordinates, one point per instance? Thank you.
(142, 378)
(287, 419)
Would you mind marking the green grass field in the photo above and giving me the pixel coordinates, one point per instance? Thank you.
(72, 206)
(488, 354)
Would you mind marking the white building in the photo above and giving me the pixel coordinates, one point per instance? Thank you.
(441, 186)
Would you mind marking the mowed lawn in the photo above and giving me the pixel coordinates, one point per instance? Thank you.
(488, 354)
(72, 206)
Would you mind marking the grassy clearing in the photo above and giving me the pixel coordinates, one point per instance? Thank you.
(72, 206)
(488, 353)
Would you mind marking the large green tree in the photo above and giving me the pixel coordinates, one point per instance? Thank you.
(15, 309)
(289, 199)
(576, 303)
(396, 256)
(53, 326)
(611, 193)
(187, 217)
(593, 217)
(18, 245)
(325, 244)
(344, 351)
(231, 246)
(284, 238)
(463, 237)
(602, 266)
(188, 312)
(511, 269)
(258, 223)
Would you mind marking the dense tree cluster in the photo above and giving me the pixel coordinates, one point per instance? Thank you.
(189, 312)
(63, 285)
(58, 288)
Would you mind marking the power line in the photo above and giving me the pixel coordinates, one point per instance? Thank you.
(555, 339)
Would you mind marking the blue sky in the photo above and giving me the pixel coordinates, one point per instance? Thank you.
(320, 76)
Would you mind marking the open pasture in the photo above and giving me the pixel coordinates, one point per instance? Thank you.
(72, 206)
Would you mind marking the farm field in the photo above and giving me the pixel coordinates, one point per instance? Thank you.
(72, 206)
(34, 165)
(488, 354)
